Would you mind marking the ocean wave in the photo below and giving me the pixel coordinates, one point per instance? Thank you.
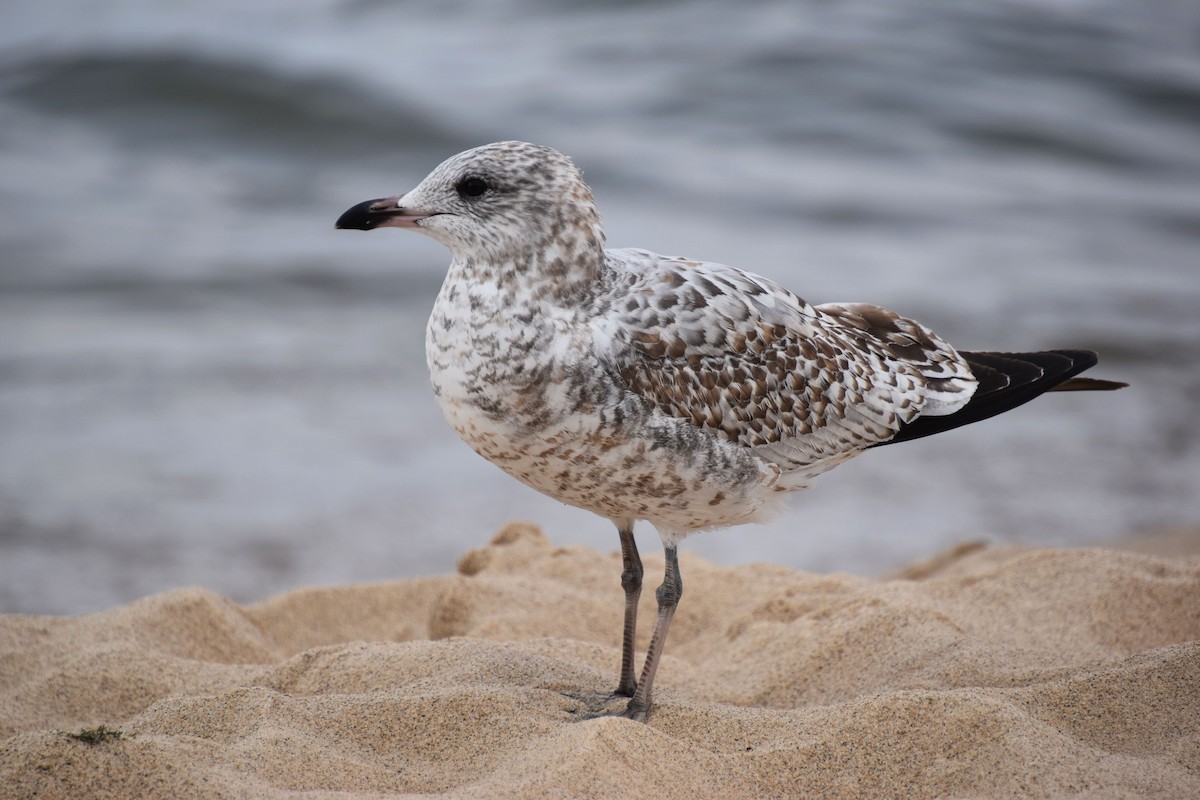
(179, 100)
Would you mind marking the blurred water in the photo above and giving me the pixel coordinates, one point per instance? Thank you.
(202, 383)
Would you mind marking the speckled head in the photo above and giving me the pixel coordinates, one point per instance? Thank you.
(502, 202)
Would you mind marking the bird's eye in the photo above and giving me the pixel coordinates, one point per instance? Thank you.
(471, 187)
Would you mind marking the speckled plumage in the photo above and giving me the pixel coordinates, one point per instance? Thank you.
(638, 386)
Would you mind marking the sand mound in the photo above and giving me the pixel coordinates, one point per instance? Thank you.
(985, 673)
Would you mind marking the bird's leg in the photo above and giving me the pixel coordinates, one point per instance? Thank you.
(668, 595)
(631, 582)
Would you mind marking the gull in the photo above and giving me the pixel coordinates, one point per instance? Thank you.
(688, 394)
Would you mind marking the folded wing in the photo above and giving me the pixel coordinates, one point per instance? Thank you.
(739, 356)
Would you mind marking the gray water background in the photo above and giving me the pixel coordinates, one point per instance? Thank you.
(201, 382)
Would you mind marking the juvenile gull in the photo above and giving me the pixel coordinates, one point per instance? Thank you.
(688, 394)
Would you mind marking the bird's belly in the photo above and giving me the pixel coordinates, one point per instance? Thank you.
(657, 470)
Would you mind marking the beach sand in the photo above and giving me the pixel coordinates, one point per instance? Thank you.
(983, 672)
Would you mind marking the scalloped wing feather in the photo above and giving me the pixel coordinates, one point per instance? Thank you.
(735, 354)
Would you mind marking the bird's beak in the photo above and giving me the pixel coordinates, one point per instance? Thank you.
(386, 212)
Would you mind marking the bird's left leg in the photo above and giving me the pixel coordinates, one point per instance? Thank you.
(631, 582)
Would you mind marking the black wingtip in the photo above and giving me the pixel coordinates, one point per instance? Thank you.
(1007, 380)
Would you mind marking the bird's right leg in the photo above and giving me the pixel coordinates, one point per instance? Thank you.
(631, 582)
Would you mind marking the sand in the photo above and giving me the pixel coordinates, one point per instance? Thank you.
(984, 672)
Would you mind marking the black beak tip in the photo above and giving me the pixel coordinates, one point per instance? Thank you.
(361, 217)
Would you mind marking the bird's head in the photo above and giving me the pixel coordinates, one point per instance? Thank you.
(502, 202)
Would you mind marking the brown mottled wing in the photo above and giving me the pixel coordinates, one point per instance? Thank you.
(744, 358)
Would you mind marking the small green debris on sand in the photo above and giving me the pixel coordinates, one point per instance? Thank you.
(97, 735)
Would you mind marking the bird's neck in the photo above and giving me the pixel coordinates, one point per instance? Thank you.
(563, 270)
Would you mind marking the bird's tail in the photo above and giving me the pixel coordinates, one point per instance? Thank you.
(1007, 380)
